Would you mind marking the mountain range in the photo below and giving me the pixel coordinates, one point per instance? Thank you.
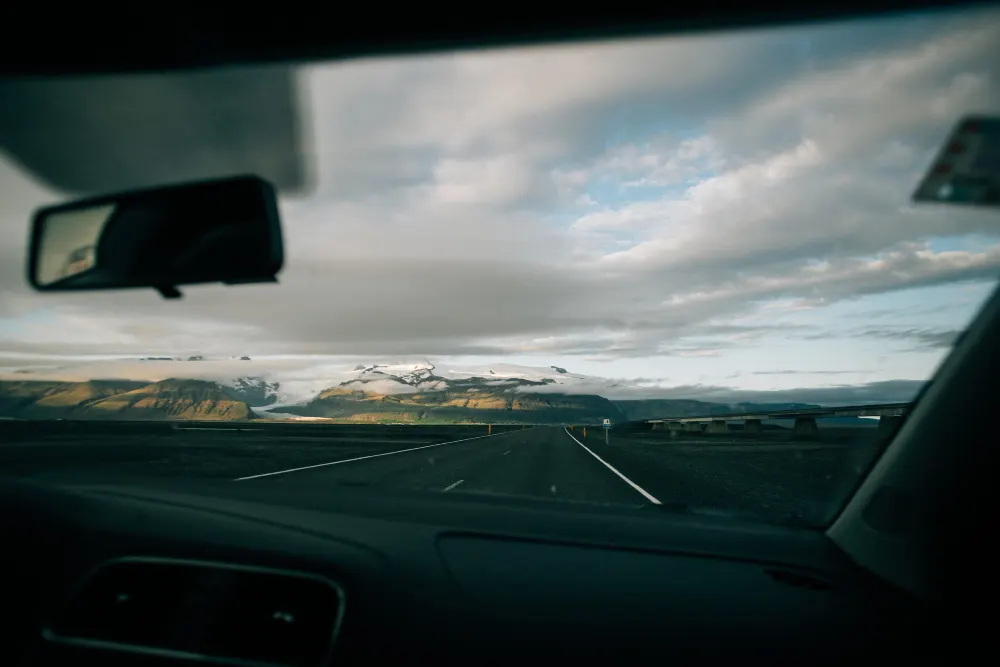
(409, 393)
(120, 399)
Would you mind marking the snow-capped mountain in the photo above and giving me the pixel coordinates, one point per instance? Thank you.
(426, 376)
(290, 380)
(273, 384)
(410, 375)
(254, 390)
(304, 388)
(425, 391)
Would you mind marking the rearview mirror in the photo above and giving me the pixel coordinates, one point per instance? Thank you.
(224, 231)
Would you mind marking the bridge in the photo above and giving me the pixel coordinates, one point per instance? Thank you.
(890, 416)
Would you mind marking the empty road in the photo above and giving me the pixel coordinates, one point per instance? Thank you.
(768, 478)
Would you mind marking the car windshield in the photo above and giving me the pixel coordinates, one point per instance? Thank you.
(638, 273)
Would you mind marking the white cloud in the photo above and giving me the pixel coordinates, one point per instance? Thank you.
(605, 201)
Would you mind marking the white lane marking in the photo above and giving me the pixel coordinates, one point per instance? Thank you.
(505, 453)
(362, 458)
(452, 486)
(635, 486)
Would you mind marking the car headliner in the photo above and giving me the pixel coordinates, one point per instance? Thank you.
(153, 130)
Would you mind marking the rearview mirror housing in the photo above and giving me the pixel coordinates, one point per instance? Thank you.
(224, 231)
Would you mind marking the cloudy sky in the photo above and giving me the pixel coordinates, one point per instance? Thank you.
(722, 211)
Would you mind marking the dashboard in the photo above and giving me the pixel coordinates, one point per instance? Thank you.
(212, 573)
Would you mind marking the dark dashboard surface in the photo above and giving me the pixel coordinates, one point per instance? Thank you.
(436, 579)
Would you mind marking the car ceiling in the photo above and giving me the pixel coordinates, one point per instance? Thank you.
(81, 113)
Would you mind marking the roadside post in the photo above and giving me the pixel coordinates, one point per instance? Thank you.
(607, 427)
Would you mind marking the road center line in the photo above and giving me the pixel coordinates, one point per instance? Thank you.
(452, 486)
(635, 486)
(362, 458)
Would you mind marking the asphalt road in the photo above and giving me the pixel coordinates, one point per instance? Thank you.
(768, 478)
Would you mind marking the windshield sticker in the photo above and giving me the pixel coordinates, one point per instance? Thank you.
(967, 170)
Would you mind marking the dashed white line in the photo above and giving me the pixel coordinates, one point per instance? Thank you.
(610, 467)
(505, 453)
(452, 486)
(362, 458)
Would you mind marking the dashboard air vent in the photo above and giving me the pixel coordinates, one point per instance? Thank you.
(205, 612)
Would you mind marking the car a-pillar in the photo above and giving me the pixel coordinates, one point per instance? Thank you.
(888, 425)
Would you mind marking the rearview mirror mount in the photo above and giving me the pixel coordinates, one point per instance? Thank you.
(224, 231)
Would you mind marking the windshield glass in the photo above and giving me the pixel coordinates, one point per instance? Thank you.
(633, 273)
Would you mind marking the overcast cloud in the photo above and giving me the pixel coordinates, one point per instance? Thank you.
(722, 212)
